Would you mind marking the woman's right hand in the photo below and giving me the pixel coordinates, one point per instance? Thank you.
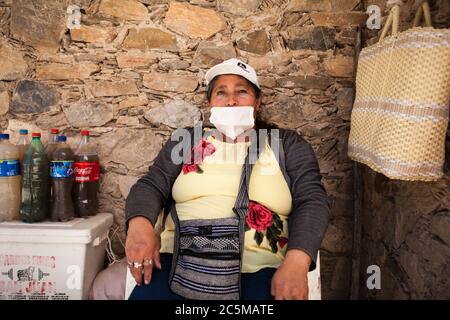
(142, 244)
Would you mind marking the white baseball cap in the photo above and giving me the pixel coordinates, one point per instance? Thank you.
(233, 66)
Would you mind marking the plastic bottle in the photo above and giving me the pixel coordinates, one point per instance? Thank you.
(52, 142)
(49, 148)
(9, 180)
(35, 185)
(23, 143)
(86, 178)
(61, 175)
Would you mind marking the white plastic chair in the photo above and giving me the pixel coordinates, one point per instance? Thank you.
(315, 289)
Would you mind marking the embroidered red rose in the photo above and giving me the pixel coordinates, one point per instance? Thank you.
(282, 241)
(189, 168)
(258, 217)
(266, 224)
(202, 150)
(198, 153)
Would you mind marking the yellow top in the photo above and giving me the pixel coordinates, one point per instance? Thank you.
(212, 194)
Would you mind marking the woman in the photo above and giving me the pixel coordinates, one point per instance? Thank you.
(287, 211)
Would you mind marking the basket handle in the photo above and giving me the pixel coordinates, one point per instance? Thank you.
(423, 10)
(392, 21)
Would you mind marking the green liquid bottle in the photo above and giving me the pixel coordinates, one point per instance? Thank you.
(35, 182)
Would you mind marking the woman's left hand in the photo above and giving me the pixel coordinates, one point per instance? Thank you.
(290, 281)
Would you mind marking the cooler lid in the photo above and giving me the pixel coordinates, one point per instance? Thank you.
(78, 230)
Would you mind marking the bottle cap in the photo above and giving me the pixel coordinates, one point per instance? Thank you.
(54, 130)
(84, 132)
(36, 135)
(23, 131)
(4, 136)
(62, 138)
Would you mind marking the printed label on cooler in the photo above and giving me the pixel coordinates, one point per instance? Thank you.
(86, 171)
(61, 169)
(29, 277)
(9, 168)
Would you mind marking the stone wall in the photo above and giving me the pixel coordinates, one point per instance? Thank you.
(406, 225)
(133, 71)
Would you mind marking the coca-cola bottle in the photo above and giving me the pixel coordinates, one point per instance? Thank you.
(86, 178)
(61, 175)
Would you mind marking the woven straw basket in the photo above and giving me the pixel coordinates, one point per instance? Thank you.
(400, 114)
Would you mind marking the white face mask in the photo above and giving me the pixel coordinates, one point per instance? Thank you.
(232, 121)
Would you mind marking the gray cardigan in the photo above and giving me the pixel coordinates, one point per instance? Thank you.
(307, 221)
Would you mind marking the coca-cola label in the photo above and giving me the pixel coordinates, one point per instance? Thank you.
(61, 169)
(9, 168)
(86, 171)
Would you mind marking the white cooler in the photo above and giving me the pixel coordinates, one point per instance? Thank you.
(52, 260)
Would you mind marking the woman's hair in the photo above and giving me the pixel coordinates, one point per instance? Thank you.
(210, 88)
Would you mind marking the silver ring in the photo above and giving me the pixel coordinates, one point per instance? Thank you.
(137, 265)
(148, 262)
